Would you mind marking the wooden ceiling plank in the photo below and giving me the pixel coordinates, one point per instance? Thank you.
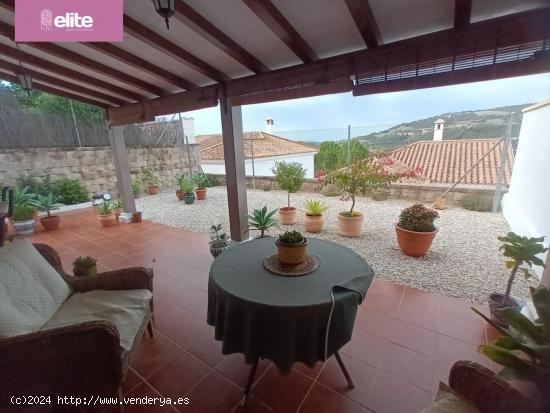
(155, 40)
(463, 11)
(200, 25)
(363, 16)
(278, 24)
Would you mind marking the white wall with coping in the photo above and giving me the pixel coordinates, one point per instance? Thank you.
(526, 206)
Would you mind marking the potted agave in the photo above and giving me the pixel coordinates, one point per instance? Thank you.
(201, 180)
(84, 266)
(48, 203)
(313, 217)
(151, 180)
(218, 240)
(416, 230)
(262, 220)
(521, 253)
(291, 247)
(290, 177)
(106, 214)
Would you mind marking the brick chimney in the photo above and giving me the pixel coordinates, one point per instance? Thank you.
(438, 129)
(269, 125)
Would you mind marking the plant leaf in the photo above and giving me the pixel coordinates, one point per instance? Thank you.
(523, 325)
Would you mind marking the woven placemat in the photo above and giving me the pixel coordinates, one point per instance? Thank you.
(273, 265)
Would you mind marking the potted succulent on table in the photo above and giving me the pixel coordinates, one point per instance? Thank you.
(136, 188)
(291, 247)
(187, 187)
(23, 219)
(84, 266)
(218, 240)
(106, 214)
(290, 177)
(521, 253)
(359, 178)
(180, 180)
(313, 216)
(262, 220)
(201, 180)
(151, 180)
(48, 203)
(416, 230)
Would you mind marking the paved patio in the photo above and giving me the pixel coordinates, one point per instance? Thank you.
(405, 340)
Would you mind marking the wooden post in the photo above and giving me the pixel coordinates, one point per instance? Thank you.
(545, 279)
(120, 159)
(233, 148)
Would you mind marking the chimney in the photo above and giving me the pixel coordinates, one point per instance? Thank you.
(438, 129)
(269, 125)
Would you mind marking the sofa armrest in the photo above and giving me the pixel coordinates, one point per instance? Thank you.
(124, 279)
(53, 258)
(79, 360)
(485, 390)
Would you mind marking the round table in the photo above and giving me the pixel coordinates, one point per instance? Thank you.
(285, 319)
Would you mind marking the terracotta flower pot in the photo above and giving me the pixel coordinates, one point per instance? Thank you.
(291, 253)
(350, 226)
(137, 217)
(287, 215)
(201, 193)
(117, 213)
(412, 243)
(180, 194)
(107, 220)
(497, 305)
(314, 223)
(153, 190)
(136, 196)
(50, 223)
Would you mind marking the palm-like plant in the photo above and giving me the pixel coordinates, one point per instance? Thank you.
(106, 208)
(23, 196)
(315, 207)
(262, 220)
(47, 203)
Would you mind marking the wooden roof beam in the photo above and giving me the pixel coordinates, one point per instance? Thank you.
(196, 22)
(366, 23)
(278, 24)
(463, 11)
(155, 40)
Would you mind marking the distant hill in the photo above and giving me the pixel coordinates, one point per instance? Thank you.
(478, 124)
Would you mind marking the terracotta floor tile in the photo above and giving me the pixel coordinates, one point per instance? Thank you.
(365, 347)
(131, 381)
(461, 329)
(372, 321)
(419, 308)
(154, 354)
(308, 371)
(452, 307)
(214, 394)
(252, 405)
(207, 349)
(321, 399)
(389, 394)
(408, 365)
(411, 336)
(235, 369)
(179, 325)
(143, 390)
(193, 300)
(451, 350)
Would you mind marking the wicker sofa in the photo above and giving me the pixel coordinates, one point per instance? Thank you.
(82, 359)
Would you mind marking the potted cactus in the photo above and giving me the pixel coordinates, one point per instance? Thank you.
(219, 241)
(84, 266)
(262, 220)
(48, 203)
(291, 247)
(290, 177)
(151, 180)
(416, 230)
(313, 216)
(201, 180)
(106, 214)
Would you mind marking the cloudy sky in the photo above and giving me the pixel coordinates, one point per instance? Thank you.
(378, 112)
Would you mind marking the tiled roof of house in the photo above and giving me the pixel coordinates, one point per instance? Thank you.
(262, 144)
(446, 161)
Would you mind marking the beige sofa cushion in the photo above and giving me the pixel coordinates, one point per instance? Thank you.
(31, 290)
(126, 309)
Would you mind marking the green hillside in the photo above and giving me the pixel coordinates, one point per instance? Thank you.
(479, 124)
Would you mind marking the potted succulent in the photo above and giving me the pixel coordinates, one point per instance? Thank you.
(84, 266)
(262, 220)
(359, 178)
(23, 219)
(218, 240)
(313, 217)
(291, 247)
(136, 188)
(180, 181)
(416, 230)
(22, 196)
(117, 208)
(521, 253)
(151, 180)
(290, 177)
(48, 203)
(187, 187)
(106, 216)
(201, 180)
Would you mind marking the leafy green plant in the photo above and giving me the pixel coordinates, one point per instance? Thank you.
(83, 265)
(23, 196)
(418, 218)
(218, 238)
(201, 180)
(106, 208)
(289, 176)
(524, 348)
(70, 191)
(47, 203)
(185, 184)
(291, 237)
(315, 207)
(22, 213)
(262, 220)
(150, 177)
(136, 186)
(521, 253)
(476, 202)
(117, 204)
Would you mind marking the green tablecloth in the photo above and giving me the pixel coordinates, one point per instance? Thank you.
(284, 319)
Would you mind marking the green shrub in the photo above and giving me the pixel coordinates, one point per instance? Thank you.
(70, 191)
(476, 202)
(22, 213)
(291, 237)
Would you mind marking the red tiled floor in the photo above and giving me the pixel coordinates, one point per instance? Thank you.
(405, 340)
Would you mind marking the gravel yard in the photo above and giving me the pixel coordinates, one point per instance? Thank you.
(463, 262)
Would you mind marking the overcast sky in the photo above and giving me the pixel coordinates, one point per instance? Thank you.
(381, 111)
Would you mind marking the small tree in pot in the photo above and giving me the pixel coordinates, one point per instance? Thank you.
(136, 188)
(262, 220)
(151, 180)
(290, 177)
(416, 230)
(521, 253)
(48, 203)
(291, 247)
(180, 182)
(201, 180)
(218, 240)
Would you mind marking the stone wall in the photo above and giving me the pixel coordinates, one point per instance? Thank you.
(94, 166)
(422, 193)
